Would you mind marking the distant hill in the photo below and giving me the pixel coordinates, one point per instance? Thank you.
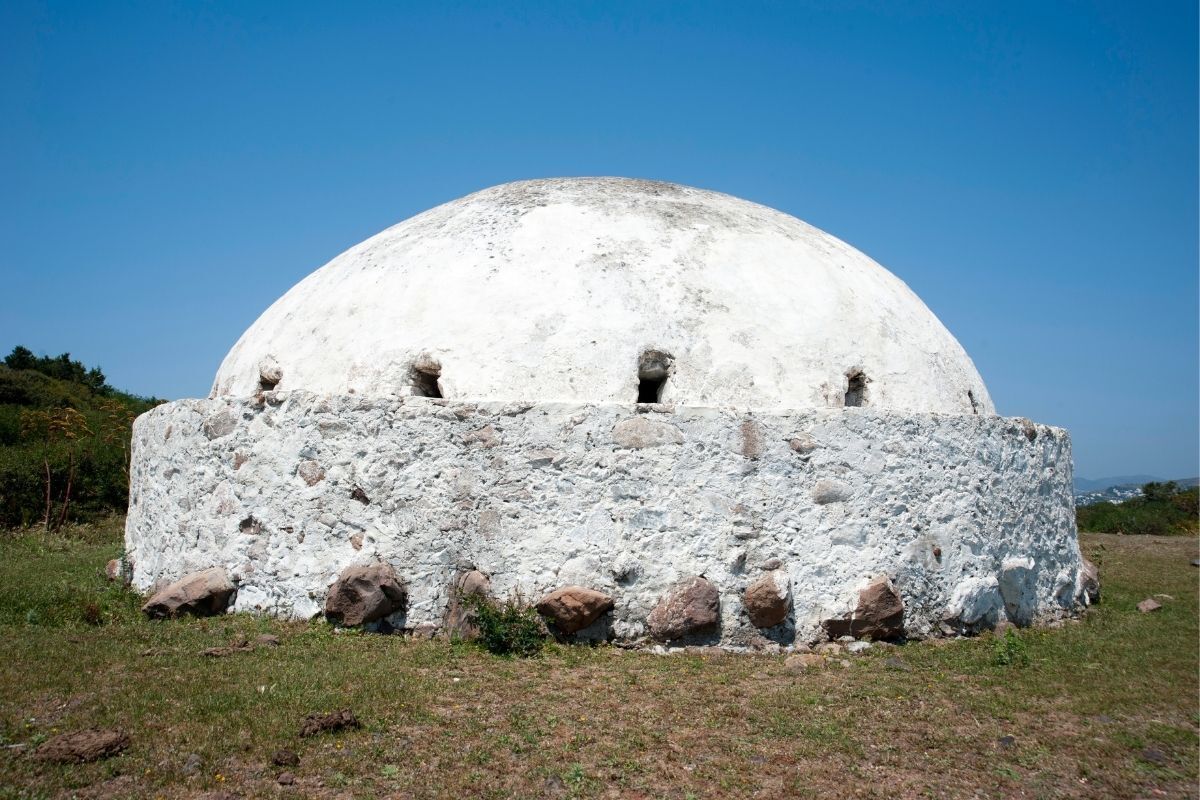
(1100, 484)
(1105, 492)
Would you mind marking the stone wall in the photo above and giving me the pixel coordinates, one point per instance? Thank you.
(970, 517)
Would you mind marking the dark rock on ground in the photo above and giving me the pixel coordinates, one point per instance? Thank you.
(573, 608)
(879, 614)
(328, 723)
(285, 758)
(200, 594)
(240, 645)
(1154, 756)
(690, 606)
(82, 746)
(364, 593)
(801, 662)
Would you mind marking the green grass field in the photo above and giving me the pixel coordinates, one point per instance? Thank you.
(1106, 707)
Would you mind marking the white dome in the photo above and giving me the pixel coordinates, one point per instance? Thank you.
(564, 289)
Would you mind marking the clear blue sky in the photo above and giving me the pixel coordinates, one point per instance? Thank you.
(1030, 169)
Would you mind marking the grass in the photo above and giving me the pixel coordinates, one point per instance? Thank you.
(1106, 707)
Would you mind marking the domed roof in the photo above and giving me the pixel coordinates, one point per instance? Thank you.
(608, 290)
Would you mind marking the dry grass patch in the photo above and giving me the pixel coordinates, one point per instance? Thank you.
(1103, 708)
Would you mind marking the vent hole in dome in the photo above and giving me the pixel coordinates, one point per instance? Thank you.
(425, 373)
(856, 389)
(974, 402)
(269, 374)
(654, 368)
(650, 389)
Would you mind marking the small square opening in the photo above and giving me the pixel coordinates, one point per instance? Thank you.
(856, 389)
(654, 369)
(650, 389)
(425, 374)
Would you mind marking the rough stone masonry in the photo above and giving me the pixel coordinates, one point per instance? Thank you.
(962, 514)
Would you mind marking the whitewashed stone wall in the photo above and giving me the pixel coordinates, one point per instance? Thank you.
(971, 516)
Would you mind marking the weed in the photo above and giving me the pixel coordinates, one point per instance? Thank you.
(509, 627)
(1009, 650)
(91, 613)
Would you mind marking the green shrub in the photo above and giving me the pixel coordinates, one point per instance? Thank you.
(1009, 650)
(510, 627)
(1162, 510)
(64, 441)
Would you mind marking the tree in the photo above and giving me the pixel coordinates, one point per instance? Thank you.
(20, 358)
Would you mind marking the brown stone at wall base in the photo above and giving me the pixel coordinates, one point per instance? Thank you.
(691, 606)
(460, 620)
(365, 593)
(767, 600)
(200, 594)
(879, 614)
(573, 608)
(1090, 582)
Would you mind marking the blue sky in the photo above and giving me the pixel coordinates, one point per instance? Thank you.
(1029, 169)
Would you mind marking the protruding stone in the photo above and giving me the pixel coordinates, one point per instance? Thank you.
(200, 594)
(1017, 580)
(768, 599)
(460, 617)
(310, 472)
(364, 593)
(220, 424)
(639, 432)
(112, 570)
(751, 444)
(1089, 582)
(802, 444)
(691, 606)
(573, 608)
(485, 437)
(829, 491)
(879, 614)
